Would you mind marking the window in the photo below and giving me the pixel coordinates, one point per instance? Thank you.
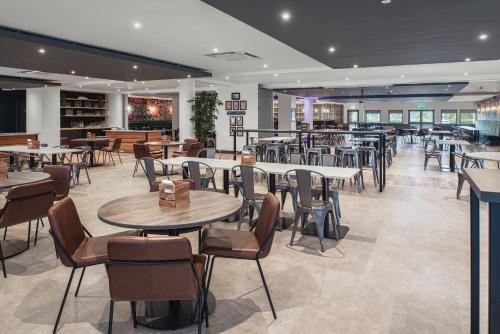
(396, 116)
(421, 119)
(448, 117)
(373, 116)
(467, 117)
(352, 116)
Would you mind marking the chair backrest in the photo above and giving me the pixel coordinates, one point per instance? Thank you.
(187, 144)
(194, 173)
(297, 158)
(304, 179)
(61, 175)
(117, 144)
(330, 160)
(85, 157)
(66, 229)
(27, 202)
(141, 150)
(194, 149)
(246, 179)
(208, 153)
(151, 269)
(149, 165)
(65, 141)
(266, 224)
(78, 142)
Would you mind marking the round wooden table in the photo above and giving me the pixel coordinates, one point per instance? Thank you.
(18, 178)
(143, 212)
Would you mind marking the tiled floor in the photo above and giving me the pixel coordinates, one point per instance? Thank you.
(403, 267)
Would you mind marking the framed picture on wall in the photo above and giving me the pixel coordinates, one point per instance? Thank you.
(229, 105)
(239, 133)
(231, 130)
(232, 121)
(235, 96)
(239, 120)
(236, 105)
(243, 105)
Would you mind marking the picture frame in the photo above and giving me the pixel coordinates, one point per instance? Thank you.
(239, 121)
(239, 133)
(236, 105)
(243, 105)
(229, 105)
(235, 96)
(232, 121)
(231, 130)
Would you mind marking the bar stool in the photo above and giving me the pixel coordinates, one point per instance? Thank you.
(351, 159)
(372, 160)
(273, 152)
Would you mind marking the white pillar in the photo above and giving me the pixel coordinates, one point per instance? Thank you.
(284, 111)
(115, 110)
(43, 114)
(186, 93)
(175, 113)
(308, 111)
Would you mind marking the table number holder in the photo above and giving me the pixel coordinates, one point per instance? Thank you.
(173, 193)
(248, 158)
(4, 170)
(33, 144)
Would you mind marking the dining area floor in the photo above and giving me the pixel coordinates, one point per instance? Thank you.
(403, 266)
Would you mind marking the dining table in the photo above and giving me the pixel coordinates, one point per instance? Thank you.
(49, 151)
(270, 140)
(95, 143)
(143, 212)
(165, 145)
(485, 155)
(452, 143)
(19, 178)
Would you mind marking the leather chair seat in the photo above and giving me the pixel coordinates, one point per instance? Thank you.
(95, 250)
(231, 243)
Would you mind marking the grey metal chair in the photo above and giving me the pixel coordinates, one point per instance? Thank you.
(149, 164)
(370, 152)
(432, 151)
(251, 200)
(208, 153)
(274, 152)
(82, 162)
(192, 170)
(466, 162)
(331, 160)
(321, 210)
(283, 186)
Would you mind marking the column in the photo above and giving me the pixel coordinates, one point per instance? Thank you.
(186, 93)
(43, 114)
(175, 113)
(284, 111)
(116, 110)
(308, 111)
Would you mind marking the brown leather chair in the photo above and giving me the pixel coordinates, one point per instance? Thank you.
(154, 269)
(244, 245)
(186, 147)
(25, 203)
(141, 151)
(108, 151)
(61, 175)
(75, 246)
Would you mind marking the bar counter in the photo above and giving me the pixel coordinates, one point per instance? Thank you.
(19, 138)
(129, 137)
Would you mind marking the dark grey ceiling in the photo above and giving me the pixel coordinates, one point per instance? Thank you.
(15, 83)
(20, 50)
(433, 92)
(368, 33)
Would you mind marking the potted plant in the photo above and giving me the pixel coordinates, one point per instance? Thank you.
(204, 113)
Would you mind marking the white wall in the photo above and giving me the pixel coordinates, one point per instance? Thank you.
(43, 114)
(385, 107)
(115, 110)
(248, 92)
(186, 93)
(175, 113)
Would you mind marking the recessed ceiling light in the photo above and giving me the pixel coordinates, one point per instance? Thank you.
(355, 65)
(143, 82)
(118, 90)
(73, 72)
(135, 67)
(346, 79)
(189, 75)
(211, 85)
(215, 50)
(135, 80)
(385, 2)
(298, 81)
(86, 78)
(227, 78)
(331, 49)
(265, 65)
(402, 76)
(466, 74)
(275, 74)
(285, 16)
(391, 91)
(467, 59)
(80, 86)
(108, 84)
(483, 37)
(41, 51)
(137, 25)
(46, 86)
(147, 88)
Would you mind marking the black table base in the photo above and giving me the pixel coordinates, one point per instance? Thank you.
(171, 315)
(310, 229)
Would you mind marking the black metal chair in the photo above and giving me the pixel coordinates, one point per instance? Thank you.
(321, 210)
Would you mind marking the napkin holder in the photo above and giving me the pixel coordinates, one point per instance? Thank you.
(166, 139)
(33, 144)
(4, 171)
(174, 194)
(248, 158)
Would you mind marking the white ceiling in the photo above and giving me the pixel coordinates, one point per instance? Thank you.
(182, 31)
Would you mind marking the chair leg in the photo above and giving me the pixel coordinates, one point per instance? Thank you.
(319, 219)
(133, 306)
(298, 214)
(135, 169)
(36, 231)
(110, 323)
(5, 233)
(112, 160)
(265, 287)
(210, 276)
(3, 262)
(425, 162)
(119, 157)
(283, 198)
(200, 311)
(242, 210)
(80, 281)
(335, 225)
(205, 302)
(64, 300)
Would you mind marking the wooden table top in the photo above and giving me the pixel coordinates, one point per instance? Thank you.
(161, 143)
(452, 142)
(41, 150)
(485, 183)
(17, 178)
(491, 156)
(440, 132)
(277, 139)
(144, 213)
(273, 168)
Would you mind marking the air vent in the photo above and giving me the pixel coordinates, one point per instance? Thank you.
(232, 55)
(32, 72)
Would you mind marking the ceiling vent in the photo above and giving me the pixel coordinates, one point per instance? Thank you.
(32, 72)
(232, 55)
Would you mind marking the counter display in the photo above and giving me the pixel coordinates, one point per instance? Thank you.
(129, 137)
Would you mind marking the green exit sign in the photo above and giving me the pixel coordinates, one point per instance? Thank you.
(421, 106)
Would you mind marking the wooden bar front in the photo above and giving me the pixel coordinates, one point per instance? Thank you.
(9, 139)
(129, 137)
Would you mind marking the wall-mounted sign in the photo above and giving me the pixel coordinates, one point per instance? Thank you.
(421, 106)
